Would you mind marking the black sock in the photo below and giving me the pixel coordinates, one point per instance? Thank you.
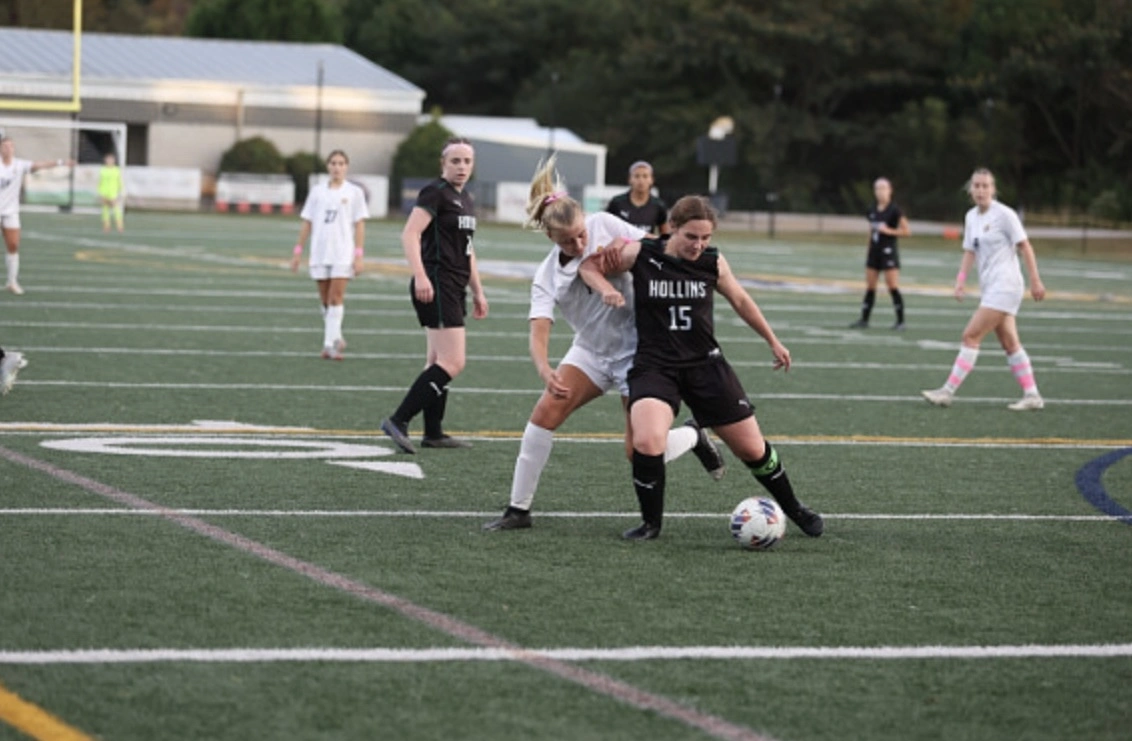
(1, 353)
(434, 415)
(648, 480)
(867, 305)
(897, 303)
(769, 472)
(423, 392)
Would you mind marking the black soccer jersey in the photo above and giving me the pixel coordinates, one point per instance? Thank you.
(649, 217)
(673, 299)
(446, 244)
(890, 216)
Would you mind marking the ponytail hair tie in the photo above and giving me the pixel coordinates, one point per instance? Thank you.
(555, 196)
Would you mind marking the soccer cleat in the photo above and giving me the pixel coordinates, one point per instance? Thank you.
(327, 350)
(14, 287)
(941, 397)
(810, 522)
(444, 441)
(513, 519)
(1028, 402)
(10, 365)
(399, 435)
(337, 350)
(708, 452)
(644, 531)
(898, 327)
(860, 324)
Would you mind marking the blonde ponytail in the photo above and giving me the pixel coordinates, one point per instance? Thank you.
(549, 206)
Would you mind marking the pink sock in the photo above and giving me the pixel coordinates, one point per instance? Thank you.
(1023, 372)
(964, 362)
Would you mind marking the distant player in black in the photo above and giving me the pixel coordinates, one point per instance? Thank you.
(678, 358)
(886, 223)
(638, 205)
(437, 240)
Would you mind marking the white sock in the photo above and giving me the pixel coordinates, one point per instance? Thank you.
(680, 441)
(338, 314)
(332, 325)
(1023, 372)
(534, 452)
(12, 261)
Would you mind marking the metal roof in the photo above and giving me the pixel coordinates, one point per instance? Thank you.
(110, 57)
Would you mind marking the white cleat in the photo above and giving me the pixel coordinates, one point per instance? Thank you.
(1028, 402)
(15, 288)
(338, 350)
(941, 397)
(10, 365)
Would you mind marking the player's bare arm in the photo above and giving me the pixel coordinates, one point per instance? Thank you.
(418, 221)
(1037, 288)
(745, 306)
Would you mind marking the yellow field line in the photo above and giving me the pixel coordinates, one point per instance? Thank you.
(516, 434)
(34, 720)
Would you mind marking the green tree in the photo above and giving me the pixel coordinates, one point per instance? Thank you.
(418, 155)
(256, 155)
(266, 20)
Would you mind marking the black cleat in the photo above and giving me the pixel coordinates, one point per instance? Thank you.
(513, 519)
(644, 531)
(444, 441)
(898, 327)
(860, 324)
(809, 521)
(708, 452)
(400, 435)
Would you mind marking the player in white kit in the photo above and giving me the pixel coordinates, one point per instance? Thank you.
(334, 218)
(12, 172)
(605, 340)
(10, 364)
(993, 234)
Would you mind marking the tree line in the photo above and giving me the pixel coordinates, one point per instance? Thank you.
(826, 94)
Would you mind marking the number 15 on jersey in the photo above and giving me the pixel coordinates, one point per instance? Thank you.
(680, 318)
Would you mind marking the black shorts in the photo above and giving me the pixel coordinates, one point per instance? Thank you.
(448, 307)
(883, 258)
(711, 390)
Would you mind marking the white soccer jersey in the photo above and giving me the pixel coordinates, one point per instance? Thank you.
(603, 330)
(333, 212)
(11, 180)
(993, 236)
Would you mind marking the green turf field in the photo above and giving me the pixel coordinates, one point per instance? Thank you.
(261, 565)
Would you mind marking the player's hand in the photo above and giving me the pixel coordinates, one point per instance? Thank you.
(554, 385)
(781, 356)
(613, 298)
(422, 289)
(1038, 290)
(479, 306)
(960, 291)
(610, 256)
(359, 265)
(295, 263)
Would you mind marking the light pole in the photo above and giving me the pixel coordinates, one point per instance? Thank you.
(553, 113)
(772, 189)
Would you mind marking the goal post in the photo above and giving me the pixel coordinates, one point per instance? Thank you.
(74, 105)
(87, 142)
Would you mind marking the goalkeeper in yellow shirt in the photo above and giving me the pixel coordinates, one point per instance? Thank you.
(112, 191)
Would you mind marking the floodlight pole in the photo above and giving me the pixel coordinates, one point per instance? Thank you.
(318, 114)
(772, 192)
(553, 113)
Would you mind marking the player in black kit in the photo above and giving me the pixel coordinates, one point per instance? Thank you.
(678, 358)
(437, 240)
(886, 222)
(638, 205)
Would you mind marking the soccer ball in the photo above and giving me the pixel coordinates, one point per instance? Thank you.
(758, 523)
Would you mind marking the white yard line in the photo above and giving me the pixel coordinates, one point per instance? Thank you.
(473, 514)
(629, 653)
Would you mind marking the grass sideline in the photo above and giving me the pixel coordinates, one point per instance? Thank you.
(189, 318)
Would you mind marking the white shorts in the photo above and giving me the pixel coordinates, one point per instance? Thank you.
(1007, 301)
(10, 221)
(326, 272)
(605, 373)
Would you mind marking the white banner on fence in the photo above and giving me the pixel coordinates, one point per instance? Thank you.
(240, 187)
(146, 187)
(596, 197)
(511, 202)
(376, 188)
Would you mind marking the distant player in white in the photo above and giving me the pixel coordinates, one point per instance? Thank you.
(334, 218)
(605, 339)
(10, 365)
(12, 172)
(993, 234)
